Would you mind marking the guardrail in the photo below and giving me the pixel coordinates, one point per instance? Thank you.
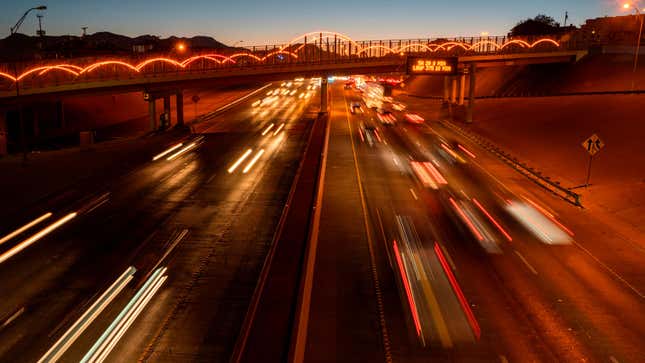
(532, 174)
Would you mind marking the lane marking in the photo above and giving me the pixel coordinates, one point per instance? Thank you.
(526, 263)
(174, 244)
(377, 284)
(413, 194)
(630, 286)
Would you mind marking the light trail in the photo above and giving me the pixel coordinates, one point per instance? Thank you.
(408, 291)
(463, 148)
(490, 217)
(42, 233)
(64, 342)
(549, 215)
(24, 228)
(111, 336)
(278, 130)
(253, 161)
(460, 295)
(239, 161)
(465, 218)
(267, 129)
(183, 150)
(173, 148)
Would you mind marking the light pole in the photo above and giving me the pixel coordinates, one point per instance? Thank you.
(15, 28)
(638, 41)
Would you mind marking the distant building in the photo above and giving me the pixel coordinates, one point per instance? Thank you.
(142, 48)
(614, 30)
(144, 43)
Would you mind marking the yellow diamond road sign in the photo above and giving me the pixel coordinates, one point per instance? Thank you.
(593, 144)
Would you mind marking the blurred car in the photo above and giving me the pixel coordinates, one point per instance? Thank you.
(386, 118)
(419, 273)
(540, 222)
(369, 134)
(348, 85)
(427, 174)
(398, 106)
(471, 219)
(355, 107)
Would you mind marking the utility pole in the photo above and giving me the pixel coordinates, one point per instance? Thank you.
(566, 17)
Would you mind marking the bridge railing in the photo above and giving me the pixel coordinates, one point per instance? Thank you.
(312, 48)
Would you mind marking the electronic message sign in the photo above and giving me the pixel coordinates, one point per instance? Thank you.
(432, 65)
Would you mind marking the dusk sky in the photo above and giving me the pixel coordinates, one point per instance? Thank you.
(262, 22)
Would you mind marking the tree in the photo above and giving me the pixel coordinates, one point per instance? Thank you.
(540, 25)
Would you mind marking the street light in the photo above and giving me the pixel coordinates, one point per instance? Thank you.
(638, 42)
(15, 28)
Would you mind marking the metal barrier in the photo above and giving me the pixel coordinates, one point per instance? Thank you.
(534, 175)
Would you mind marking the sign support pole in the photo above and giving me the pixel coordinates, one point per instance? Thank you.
(588, 171)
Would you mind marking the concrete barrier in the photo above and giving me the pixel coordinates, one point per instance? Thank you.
(266, 334)
(3, 143)
(86, 139)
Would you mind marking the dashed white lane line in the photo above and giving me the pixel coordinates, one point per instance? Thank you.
(528, 265)
(13, 317)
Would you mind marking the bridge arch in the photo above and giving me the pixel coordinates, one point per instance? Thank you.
(96, 65)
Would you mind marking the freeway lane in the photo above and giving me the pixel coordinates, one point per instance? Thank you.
(532, 299)
(229, 219)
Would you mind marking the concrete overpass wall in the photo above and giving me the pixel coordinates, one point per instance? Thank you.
(57, 123)
(596, 73)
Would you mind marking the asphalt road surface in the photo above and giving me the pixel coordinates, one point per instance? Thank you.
(431, 250)
(208, 224)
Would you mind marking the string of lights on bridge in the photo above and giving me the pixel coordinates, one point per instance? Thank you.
(291, 49)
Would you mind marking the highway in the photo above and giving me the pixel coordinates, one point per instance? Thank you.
(428, 249)
(160, 263)
(431, 249)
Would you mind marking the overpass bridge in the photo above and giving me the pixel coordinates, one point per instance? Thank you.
(311, 54)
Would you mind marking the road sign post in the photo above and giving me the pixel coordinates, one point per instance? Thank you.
(592, 144)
